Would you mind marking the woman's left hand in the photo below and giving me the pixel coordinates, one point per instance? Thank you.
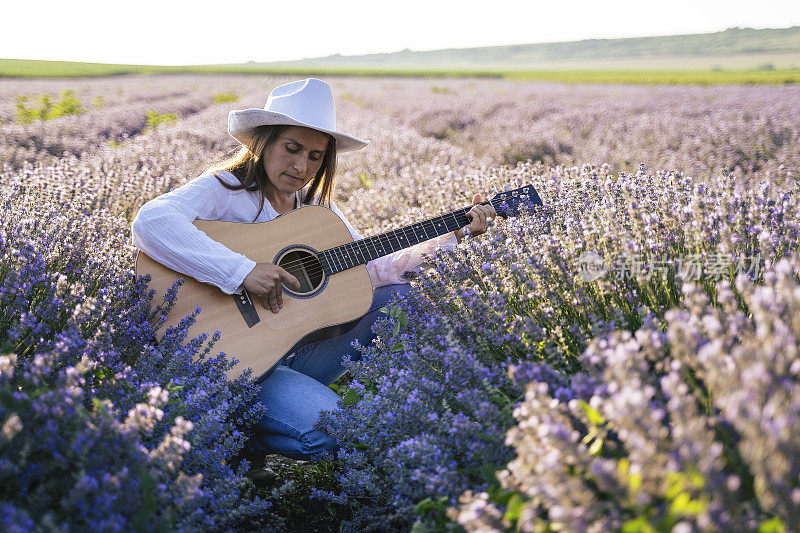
(480, 216)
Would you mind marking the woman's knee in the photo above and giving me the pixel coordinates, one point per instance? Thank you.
(383, 295)
(317, 441)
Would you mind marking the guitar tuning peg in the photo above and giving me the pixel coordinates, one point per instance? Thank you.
(506, 187)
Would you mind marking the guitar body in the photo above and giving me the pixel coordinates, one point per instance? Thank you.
(323, 308)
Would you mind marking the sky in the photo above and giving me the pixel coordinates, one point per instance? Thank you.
(176, 32)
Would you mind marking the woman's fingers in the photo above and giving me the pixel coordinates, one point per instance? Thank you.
(478, 220)
(291, 280)
(479, 217)
(275, 299)
(276, 295)
(264, 282)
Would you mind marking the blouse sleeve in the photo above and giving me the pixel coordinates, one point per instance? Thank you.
(163, 230)
(400, 266)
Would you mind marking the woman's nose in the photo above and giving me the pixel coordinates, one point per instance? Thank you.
(300, 163)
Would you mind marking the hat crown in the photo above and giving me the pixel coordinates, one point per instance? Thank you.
(309, 101)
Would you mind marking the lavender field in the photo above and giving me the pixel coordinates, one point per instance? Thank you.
(626, 359)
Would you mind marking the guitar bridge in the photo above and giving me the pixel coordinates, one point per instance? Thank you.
(246, 308)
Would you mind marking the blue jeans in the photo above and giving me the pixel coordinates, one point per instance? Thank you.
(296, 391)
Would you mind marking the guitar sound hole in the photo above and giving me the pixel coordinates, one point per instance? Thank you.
(305, 266)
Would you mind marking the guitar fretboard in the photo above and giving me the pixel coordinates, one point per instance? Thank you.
(362, 251)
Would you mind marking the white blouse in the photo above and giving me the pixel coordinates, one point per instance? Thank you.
(163, 230)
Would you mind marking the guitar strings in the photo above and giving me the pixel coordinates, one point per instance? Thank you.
(308, 262)
(312, 266)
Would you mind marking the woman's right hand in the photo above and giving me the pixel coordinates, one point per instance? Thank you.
(264, 282)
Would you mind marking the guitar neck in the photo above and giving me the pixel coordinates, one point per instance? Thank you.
(362, 251)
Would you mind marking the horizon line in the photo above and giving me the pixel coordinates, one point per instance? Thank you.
(252, 61)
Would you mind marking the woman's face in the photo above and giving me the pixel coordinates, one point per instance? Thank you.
(295, 158)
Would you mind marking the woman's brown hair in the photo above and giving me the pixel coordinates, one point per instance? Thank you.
(248, 167)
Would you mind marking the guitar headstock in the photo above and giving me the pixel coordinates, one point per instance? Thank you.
(507, 203)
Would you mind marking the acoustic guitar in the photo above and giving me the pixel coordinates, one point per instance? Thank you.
(313, 244)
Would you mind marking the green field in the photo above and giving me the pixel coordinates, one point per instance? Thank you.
(20, 68)
(733, 56)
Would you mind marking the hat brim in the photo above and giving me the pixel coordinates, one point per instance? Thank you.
(242, 123)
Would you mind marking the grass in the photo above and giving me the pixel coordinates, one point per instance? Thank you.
(667, 77)
(22, 68)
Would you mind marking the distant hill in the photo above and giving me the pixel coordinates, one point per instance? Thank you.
(733, 56)
(741, 48)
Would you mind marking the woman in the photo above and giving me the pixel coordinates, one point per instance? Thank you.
(288, 146)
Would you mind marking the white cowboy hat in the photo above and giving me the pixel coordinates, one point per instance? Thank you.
(307, 103)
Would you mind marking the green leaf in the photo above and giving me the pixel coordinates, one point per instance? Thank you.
(772, 525)
(593, 432)
(148, 507)
(637, 525)
(220, 98)
(100, 408)
(426, 505)
(488, 473)
(514, 508)
(683, 505)
(592, 414)
(351, 397)
(487, 438)
(596, 446)
(419, 527)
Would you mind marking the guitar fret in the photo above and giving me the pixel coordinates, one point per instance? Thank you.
(346, 252)
(396, 240)
(338, 260)
(439, 225)
(374, 254)
(452, 221)
(381, 239)
(387, 238)
(342, 258)
(380, 248)
(428, 224)
(460, 218)
(326, 266)
(387, 241)
(420, 236)
(360, 247)
(331, 263)
(404, 237)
